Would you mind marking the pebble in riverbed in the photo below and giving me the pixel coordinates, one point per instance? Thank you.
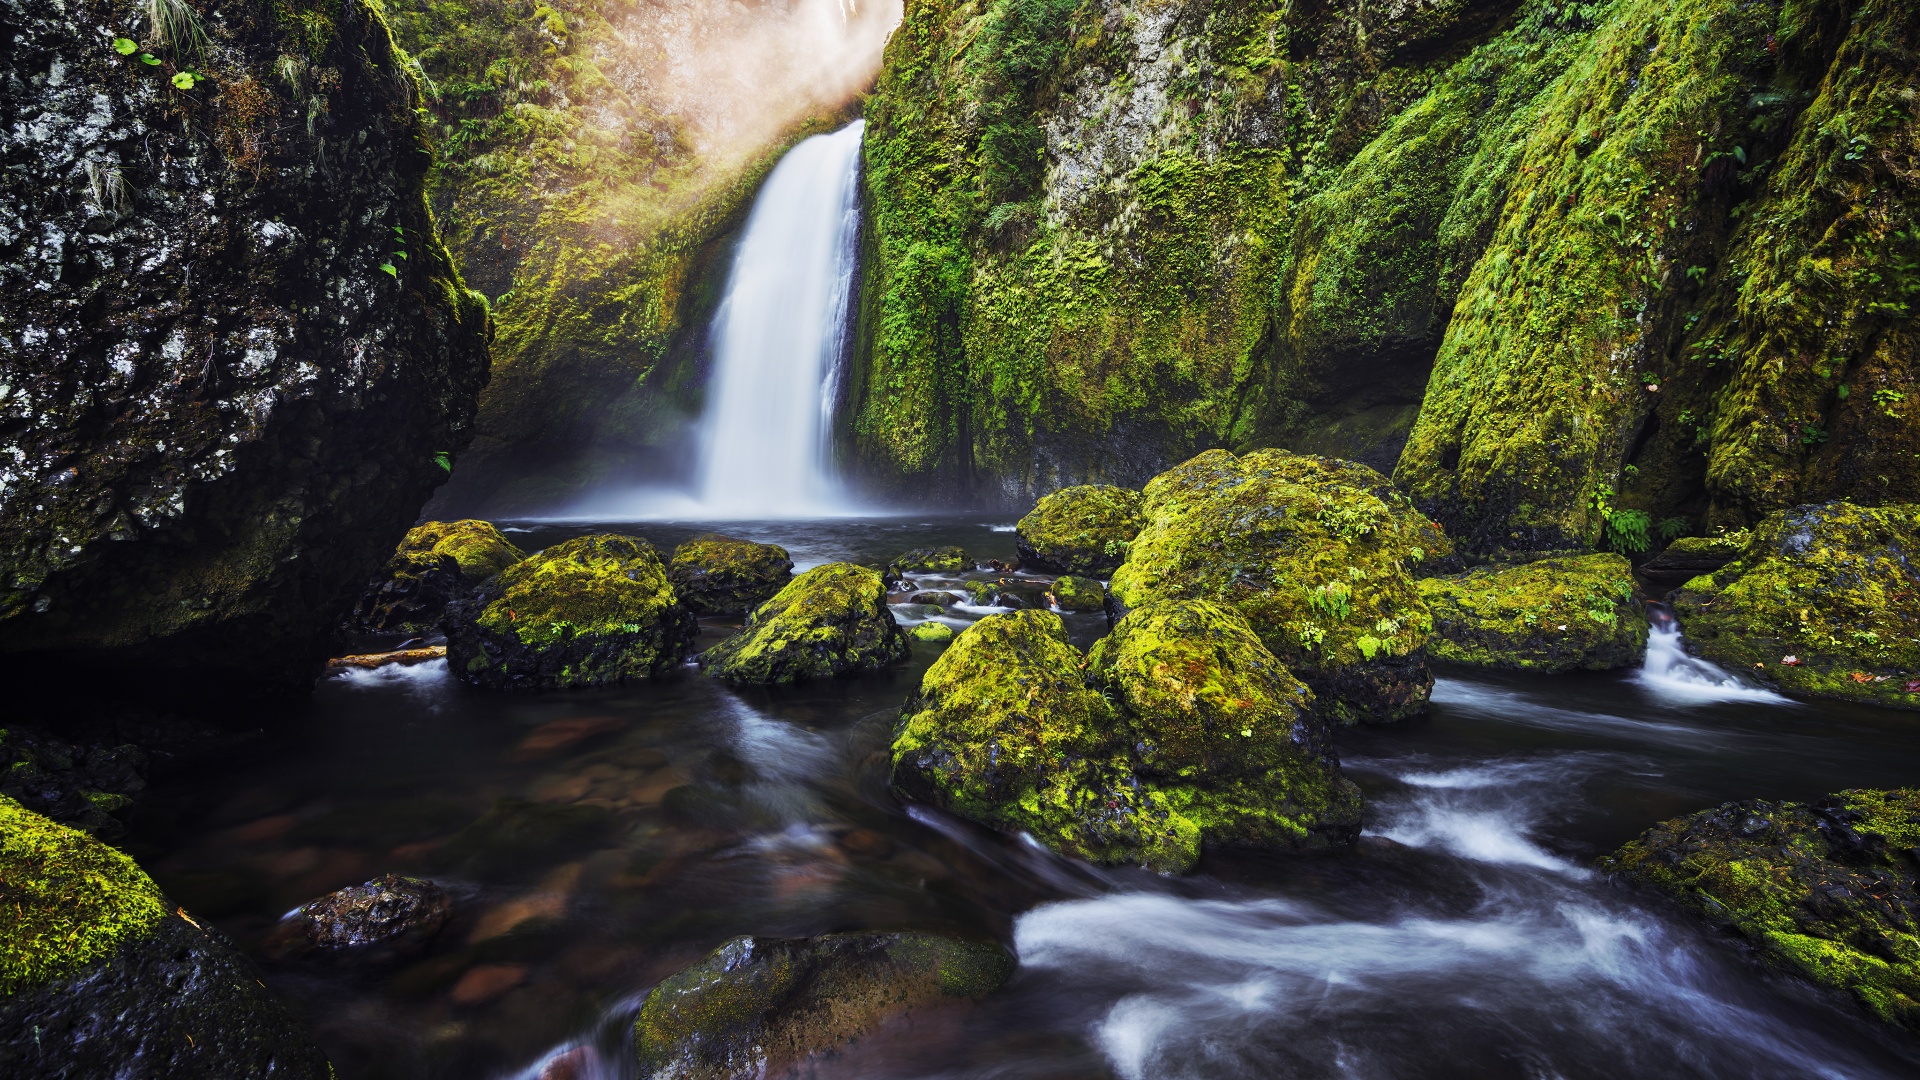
(394, 911)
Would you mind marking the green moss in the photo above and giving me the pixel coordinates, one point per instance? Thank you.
(66, 899)
(1080, 530)
(718, 575)
(831, 620)
(932, 631)
(1315, 554)
(1725, 545)
(1079, 594)
(1821, 889)
(1551, 615)
(1829, 585)
(931, 560)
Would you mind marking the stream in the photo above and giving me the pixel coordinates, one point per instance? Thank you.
(597, 841)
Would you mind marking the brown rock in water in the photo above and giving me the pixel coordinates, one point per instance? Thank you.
(395, 911)
(403, 657)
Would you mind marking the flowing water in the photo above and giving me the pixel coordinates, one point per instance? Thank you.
(1466, 937)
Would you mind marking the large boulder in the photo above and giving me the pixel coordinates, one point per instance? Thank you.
(1316, 553)
(1824, 600)
(238, 358)
(1203, 739)
(1551, 615)
(101, 976)
(768, 1006)
(718, 575)
(831, 620)
(437, 563)
(1080, 530)
(1827, 890)
(590, 611)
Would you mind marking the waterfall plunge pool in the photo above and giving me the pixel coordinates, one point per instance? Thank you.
(1465, 937)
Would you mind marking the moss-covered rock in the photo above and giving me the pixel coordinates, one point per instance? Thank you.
(931, 560)
(590, 611)
(1823, 601)
(831, 620)
(932, 631)
(1202, 740)
(101, 976)
(1316, 553)
(718, 575)
(436, 564)
(766, 1006)
(1827, 890)
(1080, 530)
(1688, 557)
(1550, 615)
(1072, 593)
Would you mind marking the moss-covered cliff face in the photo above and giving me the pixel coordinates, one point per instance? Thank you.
(233, 344)
(594, 189)
(1531, 243)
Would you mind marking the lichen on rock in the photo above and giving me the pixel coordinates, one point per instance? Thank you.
(1551, 615)
(590, 611)
(767, 1006)
(831, 620)
(1827, 890)
(1315, 553)
(719, 575)
(1825, 600)
(437, 562)
(1080, 530)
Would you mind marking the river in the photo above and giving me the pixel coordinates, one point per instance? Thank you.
(643, 825)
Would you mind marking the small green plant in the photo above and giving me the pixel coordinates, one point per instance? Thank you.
(1841, 391)
(1311, 635)
(1626, 530)
(184, 80)
(1335, 601)
(443, 459)
(1887, 399)
(1812, 435)
(125, 46)
(1672, 527)
(1370, 646)
(174, 24)
(1631, 470)
(1417, 554)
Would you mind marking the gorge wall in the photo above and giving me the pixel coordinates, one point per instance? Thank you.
(237, 356)
(1545, 260)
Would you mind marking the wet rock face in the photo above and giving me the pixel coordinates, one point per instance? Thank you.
(101, 976)
(1552, 615)
(1080, 530)
(393, 911)
(1824, 600)
(590, 611)
(765, 1006)
(1315, 553)
(718, 575)
(1827, 890)
(80, 784)
(220, 408)
(832, 620)
(437, 563)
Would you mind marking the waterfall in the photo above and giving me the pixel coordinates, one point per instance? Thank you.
(1670, 673)
(778, 337)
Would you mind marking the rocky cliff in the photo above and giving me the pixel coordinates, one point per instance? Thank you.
(1577, 259)
(236, 354)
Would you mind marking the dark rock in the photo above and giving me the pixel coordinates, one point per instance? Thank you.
(101, 976)
(86, 785)
(832, 620)
(221, 410)
(1080, 530)
(938, 599)
(437, 563)
(393, 911)
(1552, 615)
(1829, 890)
(718, 575)
(768, 1006)
(1690, 556)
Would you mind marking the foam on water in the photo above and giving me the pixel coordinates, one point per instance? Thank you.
(1688, 680)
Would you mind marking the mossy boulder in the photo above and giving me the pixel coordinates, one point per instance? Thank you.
(1826, 890)
(767, 1006)
(436, 564)
(718, 575)
(101, 976)
(932, 631)
(1551, 615)
(1073, 593)
(1690, 556)
(931, 560)
(831, 620)
(1830, 586)
(1080, 530)
(1184, 751)
(590, 611)
(1316, 554)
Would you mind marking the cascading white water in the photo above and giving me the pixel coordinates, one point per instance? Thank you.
(1672, 674)
(778, 337)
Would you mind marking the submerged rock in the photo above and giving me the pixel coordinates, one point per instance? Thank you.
(1080, 530)
(438, 562)
(1072, 593)
(718, 575)
(591, 611)
(1830, 586)
(1552, 615)
(393, 911)
(101, 976)
(1203, 739)
(760, 1007)
(1826, 890)
(515, 836)
(215, 431)
(832, 620)
(1314, 552)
